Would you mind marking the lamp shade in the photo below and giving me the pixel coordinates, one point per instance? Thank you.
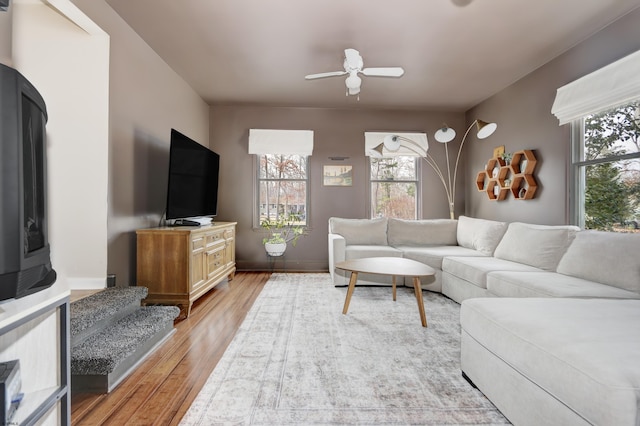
(376, 152)
(445, 134)
(485, 129)
(392, 143)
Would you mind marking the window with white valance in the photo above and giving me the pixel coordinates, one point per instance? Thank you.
(615, 84)
(604, 111)
(373, 139)
(273, 141)
(281, 173)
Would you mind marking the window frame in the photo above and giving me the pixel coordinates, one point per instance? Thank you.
(417, 181)
(578, 166)
(258, 180)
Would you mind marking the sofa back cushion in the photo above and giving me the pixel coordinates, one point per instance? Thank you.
(480, 234)
(402, 232)
(604, 257)
(540, 246)
(360, 231)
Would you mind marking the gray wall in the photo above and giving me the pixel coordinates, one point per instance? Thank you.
(337, 133)
(523, 114)
(147, 98)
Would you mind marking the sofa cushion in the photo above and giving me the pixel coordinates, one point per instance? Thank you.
(583, 352)
(358, 251)
(480, 234)
(605, 257)
(360, 231)
(475, 269)
(550, 284)
(422, 232)
(434, 255)
(540, 246)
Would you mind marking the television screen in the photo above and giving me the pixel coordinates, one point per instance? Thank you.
(193, 179)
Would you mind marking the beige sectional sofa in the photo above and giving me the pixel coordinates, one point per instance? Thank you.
(550, 315)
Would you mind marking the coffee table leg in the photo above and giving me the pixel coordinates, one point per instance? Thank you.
(418, 290)
(352, 285)
(393, 285)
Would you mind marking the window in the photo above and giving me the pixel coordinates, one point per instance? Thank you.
(394, 187)
(604, 109)
(393, 173)
(606, 169)
(282, 187)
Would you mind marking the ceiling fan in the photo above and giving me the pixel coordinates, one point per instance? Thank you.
(353, 66)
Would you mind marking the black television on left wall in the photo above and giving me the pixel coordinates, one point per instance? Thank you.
(25, 259)
(192, 190)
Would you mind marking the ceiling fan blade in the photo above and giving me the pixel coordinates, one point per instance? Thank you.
(325, 74)
(383, 72)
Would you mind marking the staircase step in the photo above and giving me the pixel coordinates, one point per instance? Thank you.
(93, 313)
(103, 359)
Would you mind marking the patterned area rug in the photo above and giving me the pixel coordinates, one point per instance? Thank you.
(296, 360)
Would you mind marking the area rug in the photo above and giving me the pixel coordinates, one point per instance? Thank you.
(297, 360)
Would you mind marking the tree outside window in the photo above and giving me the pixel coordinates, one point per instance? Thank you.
(282, 187)
(609, 170)
(394, 187)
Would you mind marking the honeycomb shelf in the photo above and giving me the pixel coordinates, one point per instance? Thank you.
(494, 179)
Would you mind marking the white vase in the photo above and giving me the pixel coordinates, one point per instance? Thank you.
(275, 249)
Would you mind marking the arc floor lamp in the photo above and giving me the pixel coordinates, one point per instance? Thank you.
(444, 135)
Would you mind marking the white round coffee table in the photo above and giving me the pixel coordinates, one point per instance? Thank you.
(393, 266)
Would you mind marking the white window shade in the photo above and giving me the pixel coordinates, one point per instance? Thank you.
(373, 139)
(286, 142)
(616, 84)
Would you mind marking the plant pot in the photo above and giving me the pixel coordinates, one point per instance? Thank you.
(275, 249)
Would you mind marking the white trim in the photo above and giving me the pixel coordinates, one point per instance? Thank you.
(87, 283)
(613, 85)
(286, 142)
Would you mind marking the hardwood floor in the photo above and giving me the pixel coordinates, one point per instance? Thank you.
(161, 389)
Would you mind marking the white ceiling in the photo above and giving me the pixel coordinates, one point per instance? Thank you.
(455, 53)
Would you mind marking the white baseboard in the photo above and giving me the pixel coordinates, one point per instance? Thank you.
(87, 283)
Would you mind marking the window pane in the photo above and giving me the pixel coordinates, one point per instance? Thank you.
(396, 168)
(393, 199)
(612, 133)
(611, 188)
(282, 187)
(283, 167)
(612, 196)
(394, 187)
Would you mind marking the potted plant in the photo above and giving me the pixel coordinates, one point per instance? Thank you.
(282, 230)
(507, 156)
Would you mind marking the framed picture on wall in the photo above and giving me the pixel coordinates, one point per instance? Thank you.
(333, 175)
(498, 151)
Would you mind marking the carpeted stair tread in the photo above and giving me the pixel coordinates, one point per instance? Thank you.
(102, 306)
(101, 352)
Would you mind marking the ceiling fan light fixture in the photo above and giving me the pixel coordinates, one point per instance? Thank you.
(353, 65)
(353, 82)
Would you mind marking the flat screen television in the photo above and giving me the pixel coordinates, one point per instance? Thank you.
(192, 190)
(25, 265)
